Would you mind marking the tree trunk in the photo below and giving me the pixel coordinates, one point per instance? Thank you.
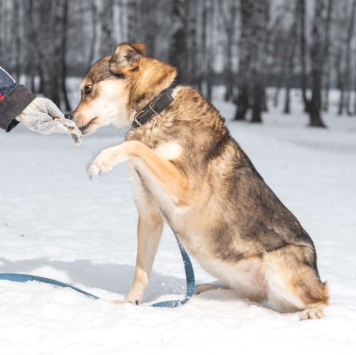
(317, 51)
(327, 56)
(290, 65)
(55, 62)
(260, 29)
(107, 23)
(178, 51)
(347, 72)
(228, 68)
(202, 77)
(1, 30)
(276, 95)
(16, 35)
(252, 61)
(151, 27)
(63, 54)
(244, 76)
(228, 11)
(30, 45)
(210, 50)
(301, 14)
(131, 20)
(340, 77)
(257, 107)
(287, 100)
(94, 17)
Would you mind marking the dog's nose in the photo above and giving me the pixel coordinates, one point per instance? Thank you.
(69, 115)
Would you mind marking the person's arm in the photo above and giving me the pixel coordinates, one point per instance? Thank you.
(14, 98)
(18, 104)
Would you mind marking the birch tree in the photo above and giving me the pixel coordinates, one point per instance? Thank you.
(252, 65)
(327, 59)
(228, 12)
(345, 66)
(107, 24)
(316, 57)
(178, 46)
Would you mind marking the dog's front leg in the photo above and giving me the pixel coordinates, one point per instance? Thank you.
(159, 175)
(159, 171)
(149, 231)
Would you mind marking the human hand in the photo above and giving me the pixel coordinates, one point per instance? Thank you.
(44, 117)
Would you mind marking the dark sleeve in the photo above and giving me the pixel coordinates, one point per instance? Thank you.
(14, 98)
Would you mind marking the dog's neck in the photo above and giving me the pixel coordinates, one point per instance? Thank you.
(154, 107)
(151, 85)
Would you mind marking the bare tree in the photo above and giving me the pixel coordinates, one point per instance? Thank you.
(290, 62)
(94, 17)
(317, 51)
(64, 23)
(301, 14)
(345, 79)
(29, 45)
(252, 65)
(245, 46)
(107, 24)
(16, 34)
(132, 23)
(178, 48)
(327, 66)
(316, 56)
(228, 12)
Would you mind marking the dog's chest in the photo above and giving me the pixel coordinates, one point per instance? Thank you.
(152, 137)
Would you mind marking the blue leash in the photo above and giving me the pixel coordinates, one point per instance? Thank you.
(188, 268)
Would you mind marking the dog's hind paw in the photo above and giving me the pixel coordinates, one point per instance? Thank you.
(205, 287)
(311, 313)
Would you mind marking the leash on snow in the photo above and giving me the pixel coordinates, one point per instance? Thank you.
(188, 268)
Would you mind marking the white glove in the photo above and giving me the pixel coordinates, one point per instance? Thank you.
(44, 117)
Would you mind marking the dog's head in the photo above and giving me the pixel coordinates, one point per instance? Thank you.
(117, 86)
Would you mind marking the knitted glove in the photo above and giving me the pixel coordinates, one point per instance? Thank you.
(44, 117)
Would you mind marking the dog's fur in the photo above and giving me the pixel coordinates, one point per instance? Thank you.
(189, 171)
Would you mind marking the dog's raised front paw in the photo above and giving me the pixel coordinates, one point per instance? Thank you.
(102, 164)
(105, 162)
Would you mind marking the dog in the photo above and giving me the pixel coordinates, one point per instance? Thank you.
(187, 170)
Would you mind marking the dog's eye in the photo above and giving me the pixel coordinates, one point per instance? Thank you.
(88, 89)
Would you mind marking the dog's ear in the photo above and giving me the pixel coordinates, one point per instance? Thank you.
(126, 57)
(139, 48)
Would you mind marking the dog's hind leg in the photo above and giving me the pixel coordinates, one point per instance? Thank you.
(206, 287)
(150, 225)
(293, 283)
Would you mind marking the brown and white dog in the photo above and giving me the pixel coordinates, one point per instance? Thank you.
(189, 171)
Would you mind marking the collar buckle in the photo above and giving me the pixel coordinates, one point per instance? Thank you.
(136, 120)
(153, 110)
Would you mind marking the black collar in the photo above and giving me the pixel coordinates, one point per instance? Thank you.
(154, 107)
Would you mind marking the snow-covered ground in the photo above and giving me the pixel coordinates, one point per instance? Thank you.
(55, 222)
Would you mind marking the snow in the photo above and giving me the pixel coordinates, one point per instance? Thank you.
(55, 222)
